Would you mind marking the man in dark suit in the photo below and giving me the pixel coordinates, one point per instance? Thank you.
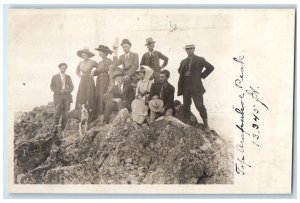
(190, 85)
(120, 96)
(62, 86)
(164, 91)
(152, 59)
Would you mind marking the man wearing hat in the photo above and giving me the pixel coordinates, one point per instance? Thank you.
(120, 96)
(129, 60)
(192, 70)
(152, 59)
(161, 97)
(62, 86)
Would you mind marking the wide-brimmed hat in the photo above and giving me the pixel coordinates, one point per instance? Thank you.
(125, 41)
(105, 49)
(149, 41)
(85, 50)
(156, 105)
(189, 46)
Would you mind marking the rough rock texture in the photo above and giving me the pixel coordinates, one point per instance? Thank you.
(167, 152)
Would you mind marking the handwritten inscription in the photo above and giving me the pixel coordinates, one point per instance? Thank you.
(248, 131)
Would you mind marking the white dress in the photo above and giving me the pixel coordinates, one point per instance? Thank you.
(139, 108)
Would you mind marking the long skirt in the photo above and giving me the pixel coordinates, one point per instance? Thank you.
(139, 110)
(86, 92)
(102, 84)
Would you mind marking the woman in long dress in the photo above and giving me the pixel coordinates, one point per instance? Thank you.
(103, 78)
(139, 105)
(86, 89)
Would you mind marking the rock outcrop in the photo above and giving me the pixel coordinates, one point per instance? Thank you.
(167, 152)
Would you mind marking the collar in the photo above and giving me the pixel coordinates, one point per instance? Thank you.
(165, 84)
(151, 52)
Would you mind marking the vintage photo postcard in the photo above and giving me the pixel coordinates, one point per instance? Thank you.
(151, 101)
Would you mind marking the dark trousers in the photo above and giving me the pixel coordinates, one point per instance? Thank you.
(61, 110)
(110, 107)
(188, 95)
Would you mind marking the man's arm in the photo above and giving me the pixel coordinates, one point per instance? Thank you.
(170, 101)
(152, 92)
(129, 96)
(53, 86)
(143, 61)
(208, 68)
(135, 64)
(164, 58)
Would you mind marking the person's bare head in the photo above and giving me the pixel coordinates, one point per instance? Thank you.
(62, 67)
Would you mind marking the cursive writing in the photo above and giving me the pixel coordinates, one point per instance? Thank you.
(253, 128)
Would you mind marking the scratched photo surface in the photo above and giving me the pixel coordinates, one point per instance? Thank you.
(246, 148)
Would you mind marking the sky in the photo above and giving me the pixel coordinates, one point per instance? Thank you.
(40, 39)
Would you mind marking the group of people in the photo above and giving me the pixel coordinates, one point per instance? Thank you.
(125, 82)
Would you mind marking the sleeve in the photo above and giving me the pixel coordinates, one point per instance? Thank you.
(170, 101)
(135, 64)
(143, 62)
(53, 86)
(94, 66)
(152, 92)
(78, 70)
(180, 67)
(130, 96)
(164, 58)
(150, 85)
(208, 68)
(137, 88)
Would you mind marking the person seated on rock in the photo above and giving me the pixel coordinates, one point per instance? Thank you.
(178, 107)
(62, 86)
(140, 104)
(161, 92)
(120, 96)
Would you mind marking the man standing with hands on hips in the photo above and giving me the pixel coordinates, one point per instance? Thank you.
(192, 70)
(152, 59)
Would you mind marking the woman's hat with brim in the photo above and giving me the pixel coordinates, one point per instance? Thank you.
(105, 49)
(125, 41)
(156, 105)
(85, 50)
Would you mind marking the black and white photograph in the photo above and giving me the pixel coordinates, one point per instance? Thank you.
(177, 101)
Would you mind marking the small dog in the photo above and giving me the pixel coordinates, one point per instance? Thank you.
(82, 116)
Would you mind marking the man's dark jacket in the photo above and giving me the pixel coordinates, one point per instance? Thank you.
(56, 87)
(197, 74)
(168, 94)
(127, 95)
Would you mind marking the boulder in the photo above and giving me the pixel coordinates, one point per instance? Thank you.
(167, 152)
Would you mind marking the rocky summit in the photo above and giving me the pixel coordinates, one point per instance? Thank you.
(166, 152)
